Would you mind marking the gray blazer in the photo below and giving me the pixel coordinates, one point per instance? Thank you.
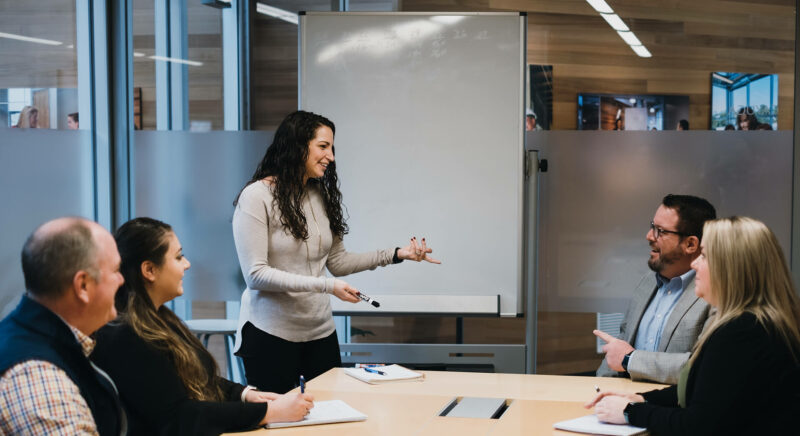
(687, 320)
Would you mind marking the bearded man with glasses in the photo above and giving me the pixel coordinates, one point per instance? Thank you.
(665, 317)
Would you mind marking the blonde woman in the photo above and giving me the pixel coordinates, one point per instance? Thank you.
(167, 380)
(744, 374)
(28, 118)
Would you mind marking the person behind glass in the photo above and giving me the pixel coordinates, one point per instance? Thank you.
(288, 227)
(28, 118)
(744, 374)
(167, 380)
(72, 121)
(683, 125)
(746, 119)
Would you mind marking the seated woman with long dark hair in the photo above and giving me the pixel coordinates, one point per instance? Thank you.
(744, 374)
(167, 380)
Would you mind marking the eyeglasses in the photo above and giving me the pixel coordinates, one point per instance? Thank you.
(658, 231)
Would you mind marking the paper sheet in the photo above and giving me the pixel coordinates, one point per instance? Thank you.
(325, 412)
(590, 424)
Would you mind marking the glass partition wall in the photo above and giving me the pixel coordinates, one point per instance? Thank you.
(187, 173)
(588, 256)
(46, 167)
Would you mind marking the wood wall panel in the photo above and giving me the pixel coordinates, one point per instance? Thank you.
(688, 39)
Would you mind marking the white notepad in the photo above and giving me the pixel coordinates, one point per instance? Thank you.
(391, 373)
(325, 412)
(590, 424)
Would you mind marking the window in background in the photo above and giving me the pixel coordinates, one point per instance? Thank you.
(757, 94)
(45, 171)
(144, 69)
(179, 74)
(204, 67)
(39, 73)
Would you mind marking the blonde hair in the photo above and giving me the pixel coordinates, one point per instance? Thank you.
(748, 274)
(25, 117)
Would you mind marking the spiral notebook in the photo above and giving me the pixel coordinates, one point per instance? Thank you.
(325, 412)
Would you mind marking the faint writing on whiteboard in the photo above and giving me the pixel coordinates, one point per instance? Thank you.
(379, 41)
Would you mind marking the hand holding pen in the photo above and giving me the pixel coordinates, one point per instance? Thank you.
(289, 407)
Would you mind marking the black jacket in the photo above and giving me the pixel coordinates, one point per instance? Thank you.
(33, 332)
(744, 381)
(155, 398)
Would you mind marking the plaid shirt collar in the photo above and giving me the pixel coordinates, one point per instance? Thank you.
(87, 343)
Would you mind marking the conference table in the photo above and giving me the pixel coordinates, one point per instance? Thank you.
(536, 402)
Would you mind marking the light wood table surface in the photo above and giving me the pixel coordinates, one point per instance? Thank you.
(412, 408)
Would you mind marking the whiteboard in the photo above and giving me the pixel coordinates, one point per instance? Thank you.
(429, 142)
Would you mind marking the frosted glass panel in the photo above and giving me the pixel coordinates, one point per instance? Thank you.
(602, 188)
(189, 180)
(44, 174)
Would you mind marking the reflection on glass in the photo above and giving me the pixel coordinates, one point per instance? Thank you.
(144, 70)
(38, 77)
(632, 112)
(744, 101)
(195, 66)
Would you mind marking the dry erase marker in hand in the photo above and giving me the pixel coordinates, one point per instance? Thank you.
(368, 299)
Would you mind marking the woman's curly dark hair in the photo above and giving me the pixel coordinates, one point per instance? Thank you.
(285, 161)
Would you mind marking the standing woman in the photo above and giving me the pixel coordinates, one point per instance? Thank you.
(288, 227)
(744, 374)
(166, 379)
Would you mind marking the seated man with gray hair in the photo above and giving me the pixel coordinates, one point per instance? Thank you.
(48, 385)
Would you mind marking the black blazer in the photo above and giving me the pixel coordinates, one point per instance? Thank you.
(155, 398)
(744, 381)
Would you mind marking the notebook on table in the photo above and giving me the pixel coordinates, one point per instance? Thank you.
(325, 412)
(384, 374)
(590, 424)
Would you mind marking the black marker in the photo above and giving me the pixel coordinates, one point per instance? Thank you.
(368, 299)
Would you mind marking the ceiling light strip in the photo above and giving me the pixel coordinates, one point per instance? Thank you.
(176, 60)
(278, 13)
(622, 29)
(29, 39)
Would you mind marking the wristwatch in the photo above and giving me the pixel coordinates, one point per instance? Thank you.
(627, 410)
(625, 360)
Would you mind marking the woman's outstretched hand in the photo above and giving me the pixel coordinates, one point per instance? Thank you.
(345, 292)
(417, 252)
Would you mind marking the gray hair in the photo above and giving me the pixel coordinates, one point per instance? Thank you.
(52, 257)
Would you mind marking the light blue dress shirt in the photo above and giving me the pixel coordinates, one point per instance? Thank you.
(655, 317)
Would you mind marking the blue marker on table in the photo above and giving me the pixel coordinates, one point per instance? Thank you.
(374, 371)
(302, 385)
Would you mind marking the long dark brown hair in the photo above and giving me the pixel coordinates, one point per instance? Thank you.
(146, 239)
(285, 160)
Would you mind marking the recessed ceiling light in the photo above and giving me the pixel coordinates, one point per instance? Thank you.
(601, 6)
(29, 39)
(278, 13)
(615, 22)
(630, 38)
(176, 60)
(641, 51)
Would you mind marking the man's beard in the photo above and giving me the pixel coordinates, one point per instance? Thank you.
(664, 259)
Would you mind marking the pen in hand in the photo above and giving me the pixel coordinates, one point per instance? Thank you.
(302, 385)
